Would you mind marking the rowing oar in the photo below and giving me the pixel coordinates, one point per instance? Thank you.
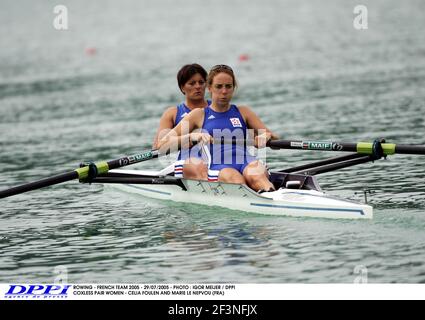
(359, 147)
(88, 171)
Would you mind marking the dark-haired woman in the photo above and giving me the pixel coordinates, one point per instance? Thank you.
(191, 80)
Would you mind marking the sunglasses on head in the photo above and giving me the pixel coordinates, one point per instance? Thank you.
(221, 67)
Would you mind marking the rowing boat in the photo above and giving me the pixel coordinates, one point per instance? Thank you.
(296, 195)
(297, 192)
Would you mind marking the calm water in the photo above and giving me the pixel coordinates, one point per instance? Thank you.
(309, 75)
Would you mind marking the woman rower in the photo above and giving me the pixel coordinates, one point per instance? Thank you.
(191, 80)
(219, 120)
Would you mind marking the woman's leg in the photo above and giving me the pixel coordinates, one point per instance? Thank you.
(231, 175)
(195, 168)
(256, 176)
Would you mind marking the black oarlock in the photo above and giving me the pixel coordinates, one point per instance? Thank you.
(92, 173)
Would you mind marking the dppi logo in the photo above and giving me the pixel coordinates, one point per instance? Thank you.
(37, 291)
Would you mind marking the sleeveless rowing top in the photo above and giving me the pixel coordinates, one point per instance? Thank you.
(228, 125)
(182, 110)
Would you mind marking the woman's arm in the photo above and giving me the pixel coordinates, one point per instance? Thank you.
(165, 125)
(181, 136)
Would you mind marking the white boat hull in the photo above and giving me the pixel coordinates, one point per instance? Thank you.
(283, 202)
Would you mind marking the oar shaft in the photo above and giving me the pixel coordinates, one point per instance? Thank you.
(360, 147)
(80, 173)
(125, 161)
(409, 149)
(39, 184)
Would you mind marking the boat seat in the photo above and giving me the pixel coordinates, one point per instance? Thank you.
(293, 185)
(293, 181)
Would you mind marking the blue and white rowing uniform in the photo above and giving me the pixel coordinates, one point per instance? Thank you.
(195, 151)
(226, 125)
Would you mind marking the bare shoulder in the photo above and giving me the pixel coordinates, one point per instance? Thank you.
(168, 117)
(170, 112)
(196, 117)
(196, 113)
(246, 111)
